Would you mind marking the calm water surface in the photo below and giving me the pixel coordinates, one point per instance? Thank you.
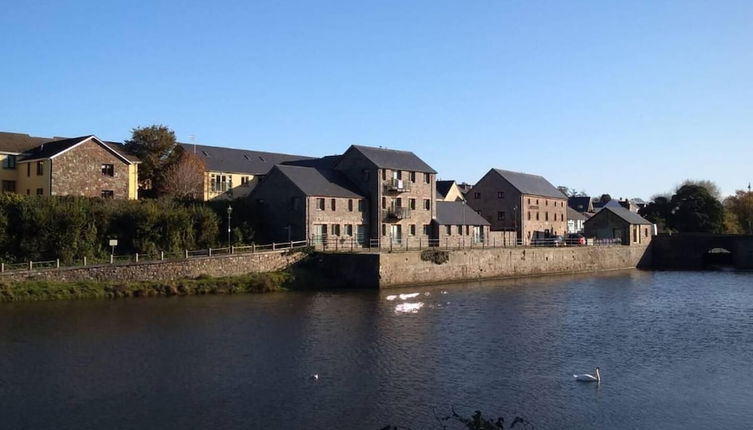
(675, 349)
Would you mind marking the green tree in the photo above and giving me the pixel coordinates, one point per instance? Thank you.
(658, 212)
(740, 209)
(710, 186)
(694, 209)
(156, 146)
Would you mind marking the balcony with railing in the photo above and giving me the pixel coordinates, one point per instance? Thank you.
(398, 213)
(398, 185)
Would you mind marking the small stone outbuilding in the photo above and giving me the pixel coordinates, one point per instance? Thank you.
(619, 223)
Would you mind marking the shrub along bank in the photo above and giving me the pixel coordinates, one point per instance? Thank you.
(56, 290)
(69, 228)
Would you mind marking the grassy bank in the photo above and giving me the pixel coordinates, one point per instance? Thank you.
(56, 290)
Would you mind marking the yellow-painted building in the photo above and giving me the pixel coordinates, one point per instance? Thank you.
(233, 173)
(81, 166)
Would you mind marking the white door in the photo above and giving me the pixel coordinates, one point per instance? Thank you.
(396, 233)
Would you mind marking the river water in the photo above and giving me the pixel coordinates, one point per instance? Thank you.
(675, 350)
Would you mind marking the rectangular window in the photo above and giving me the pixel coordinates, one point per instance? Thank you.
(384, 202)
(9, 162)
(537, 216)
(476, 195)
(108, 170)
(384, 174)
(320, 204)
(412, 204)
(529, 201)
(384, 229)
(427, 178)
(106, 194)
(40, 191)
(546, 216)
(333, 205)
(500, 215)
(40, 168)
(546, 202)
(350, 205)
(460, 230)
(336, 229)
(529, 216)
(397, 174)
(412, 229)
(427, 204)
(399, 202)
(360, 206)
(500, 194)
(349, 229)
(413, 177)
(9, 186)
(448, 228)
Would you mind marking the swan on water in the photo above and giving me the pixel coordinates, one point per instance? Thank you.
(587, 377)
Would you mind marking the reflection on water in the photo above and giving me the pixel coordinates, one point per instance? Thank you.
(674, 351)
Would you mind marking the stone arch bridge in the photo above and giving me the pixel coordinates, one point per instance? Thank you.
(689, 251)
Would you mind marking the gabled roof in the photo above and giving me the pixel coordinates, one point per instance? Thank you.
(580, 204)
(530, 184)
(327, 162)
(626, 215)
(56, 147)
(319, 182)
(120, 149)
(443, 187)
(17, 143)
(572, 214)
(458, 213)
(239, 160)
(392, 159)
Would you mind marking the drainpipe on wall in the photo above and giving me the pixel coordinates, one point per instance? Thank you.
(50, 176)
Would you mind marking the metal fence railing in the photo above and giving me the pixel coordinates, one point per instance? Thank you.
(160, 256)
(337, 244)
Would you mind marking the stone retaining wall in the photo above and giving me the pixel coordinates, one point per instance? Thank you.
(217, 266)
(407, 268)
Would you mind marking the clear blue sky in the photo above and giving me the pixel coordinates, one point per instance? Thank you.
(620, 97)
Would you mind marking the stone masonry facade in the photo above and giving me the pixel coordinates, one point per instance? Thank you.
(85, 171)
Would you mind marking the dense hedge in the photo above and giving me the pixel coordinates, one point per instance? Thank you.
(43, 228)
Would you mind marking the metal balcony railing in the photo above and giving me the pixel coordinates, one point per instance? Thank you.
(398, 185)
(398, 212)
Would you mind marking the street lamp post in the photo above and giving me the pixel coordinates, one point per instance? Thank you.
(229, 212)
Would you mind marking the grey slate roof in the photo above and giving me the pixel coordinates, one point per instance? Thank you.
(572, 214)
(18, 142)
(443, 187)
(49, 149)
(459, 213)
(580, 204)
(630, 217)
(32, 146)
(239, 160)
(320, 182)
(393, 159)
(531, 184)
(327, 162)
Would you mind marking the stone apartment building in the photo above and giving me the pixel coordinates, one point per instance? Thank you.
(400, 187)
(457, 225)
(524, 203)
(616, 222)
(233, 173)
(300, 203)
(80, 166)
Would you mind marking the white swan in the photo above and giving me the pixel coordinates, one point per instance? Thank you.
(587, 377)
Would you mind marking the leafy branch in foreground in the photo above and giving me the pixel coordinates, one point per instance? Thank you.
(474, 422)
